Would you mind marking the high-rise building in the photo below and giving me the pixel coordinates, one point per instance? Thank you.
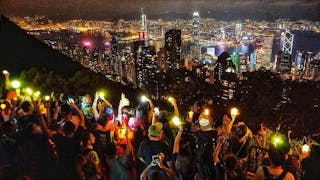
(138, 55)
(143, 33)
(145, 66)
(243, 62)
(253, 60)
(173, 49)
(307, 59)
(223, 67)
(238, 31)
(315, 72)
(225, 75)
(287, 41)
(115, 56)
(196, 35)
(235, 60)
(298, 60)
(283, 63)
(264, 52)
(277, 45)
(162, 63)
(143, 21)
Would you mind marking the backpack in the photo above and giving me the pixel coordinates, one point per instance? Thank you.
(203, 152)
(268, 176)
(88, 167)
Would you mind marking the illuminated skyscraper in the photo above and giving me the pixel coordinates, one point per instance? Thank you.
(287, 42)
(196, 35)
(116, 61)
(283, 63)
(139, 55)
(143, 33)
(173, 49)
(143, 21)
(237, 31)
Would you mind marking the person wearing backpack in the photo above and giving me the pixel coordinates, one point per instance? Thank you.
(204, 148)
(88, 162)
(277, 153)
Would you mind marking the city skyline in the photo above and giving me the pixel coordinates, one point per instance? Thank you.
(111, 9)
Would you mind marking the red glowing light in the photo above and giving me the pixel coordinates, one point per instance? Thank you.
(86, 43)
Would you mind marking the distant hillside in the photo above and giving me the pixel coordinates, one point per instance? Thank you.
(41, 66)
(19, 51)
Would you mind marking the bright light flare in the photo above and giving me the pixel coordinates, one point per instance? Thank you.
(176, 121)
(144, 98)
(305, 148)
(47, 98)
(36, 94)
(234, 112)
(156, 110)
(3, 106)
(190, 114)
(15, 84)
(101, 95)
(88, 43)
(171, 99)
(276, 140)
(206, 112)
(5, 72)
(29, 91)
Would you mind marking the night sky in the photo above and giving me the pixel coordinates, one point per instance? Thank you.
(115, 9)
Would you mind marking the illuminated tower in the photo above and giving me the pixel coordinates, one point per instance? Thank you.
(143, 29)
(196, 35)
(237, 32)
(287, 41)
(143, 21)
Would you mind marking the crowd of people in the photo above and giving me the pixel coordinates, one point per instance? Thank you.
(67, 137)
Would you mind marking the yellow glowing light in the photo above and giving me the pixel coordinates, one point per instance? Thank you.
(144, 99)
(190, 113)
(101, 95)
(29, 91)
(156, 110)
(206, 112)
(36, 94)
(47, 98)
(276, 140)
(305, 148)
(234, 111)
(5, 72)
(171, 99)
(176, 121)
(15, 84)
(3, 106)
